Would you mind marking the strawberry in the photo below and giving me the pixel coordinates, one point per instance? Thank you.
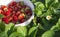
(21, 16)
(10, 9)
(15, 8)
(13, 13)
(10, 5)
(15, 18)
(18, 12)
(3, 13)
(28, 12)
(23, 20)
(3, 6)
(14, 3)
(7, 13)
(6, 20)
(10, 18)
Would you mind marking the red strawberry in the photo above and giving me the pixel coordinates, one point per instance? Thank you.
(13, 13)
(15, 18)
(14, 3)
(3, 6)
(14, 21)
(10, 5)
(7, 13)
(10, 9)
(23, 20)
(28, 12)
(18, 12)
(6, 20)
(10, 18)
(21, 16)
(15, 8)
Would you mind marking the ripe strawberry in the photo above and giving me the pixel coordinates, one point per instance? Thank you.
(10, 18)
(18, 12)
(10, 9)
(3, 13)
(7, 13)
(10, 5)
(15, 8)
(3, 6)
(15, 18)
(6, 20)
(21, 16)
(14, 3)
(23, 20)
(13, 13)
(14, 21)
(28, 12)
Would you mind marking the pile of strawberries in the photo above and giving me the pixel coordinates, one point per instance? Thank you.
(16, 12)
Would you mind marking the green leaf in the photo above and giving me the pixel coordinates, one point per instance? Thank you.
(56, 5)
(2, 26)
(1, 16)
(22, 30)
(16, 34)
(3, 34)
(39, 6)
(39, 13)
(48, 34)
(40, 26)
(7, 27)
(33, 1)
(48, 12)
(32, 32)
(56, 27)
(48, 3)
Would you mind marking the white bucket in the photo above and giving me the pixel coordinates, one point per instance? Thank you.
(28, 3)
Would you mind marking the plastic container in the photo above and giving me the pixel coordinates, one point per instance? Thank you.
(28, 3)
